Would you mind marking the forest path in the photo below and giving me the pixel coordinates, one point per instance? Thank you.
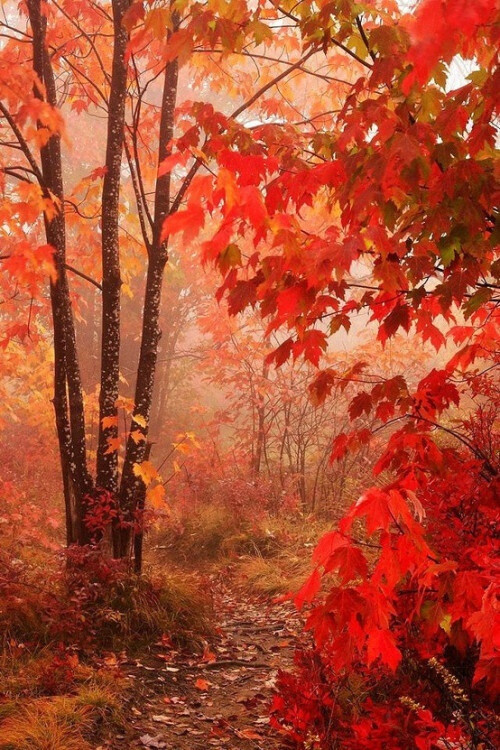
(219, 700)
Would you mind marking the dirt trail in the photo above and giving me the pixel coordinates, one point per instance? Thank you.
(220, 700)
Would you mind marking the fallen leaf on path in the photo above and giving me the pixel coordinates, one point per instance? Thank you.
(202, 684)
(208, 656)
(148, 741)
(249, 734)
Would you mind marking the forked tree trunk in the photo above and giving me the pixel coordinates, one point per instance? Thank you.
(132, 487)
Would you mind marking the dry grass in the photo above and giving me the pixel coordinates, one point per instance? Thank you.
(212, 532)
(176, 604)
(272, 556)
(46, 725)
(127, 613)
(286, 570)
(63, 722)
(281, 574)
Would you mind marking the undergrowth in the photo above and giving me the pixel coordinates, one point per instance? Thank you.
(44, 708)
(91, 603)
(212, 532)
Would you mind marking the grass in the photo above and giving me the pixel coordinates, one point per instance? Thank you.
(48, 724)
(37, 729)
(212, 532)
(271, 556)
(55, 698)
(171, 603)
(69, 721)
(47, 709)
(101, 611)
(281, 574)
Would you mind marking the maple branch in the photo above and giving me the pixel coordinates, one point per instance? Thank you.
(322, 76)
(476, 375)
(270, 84)
(98, 7)
(23, 144)
(139, 196)
(77, 210)
(351, 53)
(88, 79)
(332, 39)
(12, 173)
(87, 37)
(17, 31)
(198, 162)
(476, 451)
(136, 114)
(185, 184)
(365, 38)
(83, 276)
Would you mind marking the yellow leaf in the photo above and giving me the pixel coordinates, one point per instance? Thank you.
(156, 496)
(226, 181)
(140, 420)
(146, 471)
(158, 21)
(192, 438)
(137, 436)
(125, 403)
(199, 153)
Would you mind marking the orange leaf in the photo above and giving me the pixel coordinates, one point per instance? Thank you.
(113, 445)
(202, 684)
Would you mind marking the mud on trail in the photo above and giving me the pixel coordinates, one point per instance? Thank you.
(220, 699)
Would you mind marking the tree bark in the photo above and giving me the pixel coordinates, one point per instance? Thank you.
(107, 460)
(68, 394)
(132, 486)
(261, 428)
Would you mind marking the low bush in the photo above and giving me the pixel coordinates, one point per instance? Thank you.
(89, 602)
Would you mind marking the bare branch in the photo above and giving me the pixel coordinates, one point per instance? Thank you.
(83, 275)
(23, 144)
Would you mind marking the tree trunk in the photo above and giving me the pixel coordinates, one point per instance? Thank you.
(261, 428)
(132, 486)
(68, 395)
(139, 535)
(107, 455)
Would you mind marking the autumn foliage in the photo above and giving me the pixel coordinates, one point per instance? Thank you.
(335, 164)
(404, 595)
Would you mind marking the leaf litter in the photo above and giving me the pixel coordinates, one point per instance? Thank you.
(219, 699)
